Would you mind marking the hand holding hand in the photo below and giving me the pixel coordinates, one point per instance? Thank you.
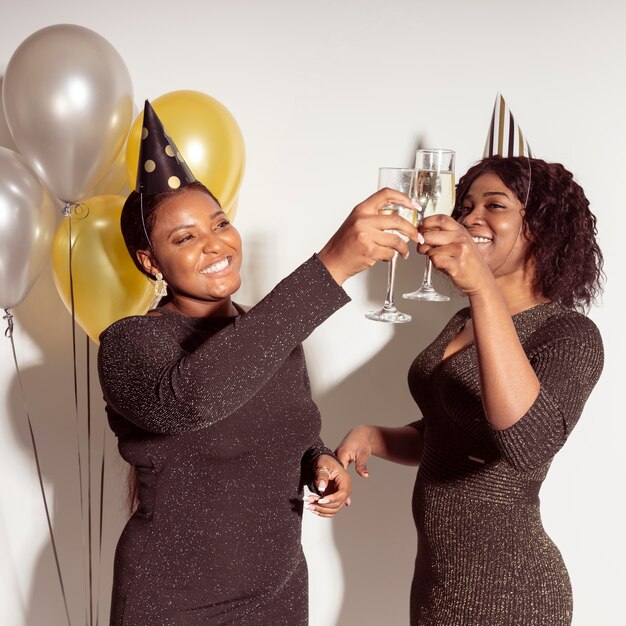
(362, 239)
(333, 483)
(356, 448)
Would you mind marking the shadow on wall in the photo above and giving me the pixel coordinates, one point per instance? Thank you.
(376, 537)
(49, 395)
(50, 398)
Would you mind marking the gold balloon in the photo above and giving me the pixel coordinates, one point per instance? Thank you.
(107, 285)
(207, 136)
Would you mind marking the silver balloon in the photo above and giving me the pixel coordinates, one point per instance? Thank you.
(68, 101)
(115, 181)
(27, 220)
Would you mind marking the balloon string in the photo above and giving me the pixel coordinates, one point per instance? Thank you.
(104, 440)
(9, 334)
(89, 482)
(67, 212)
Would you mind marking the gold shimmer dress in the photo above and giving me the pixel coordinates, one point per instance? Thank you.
(484, 558)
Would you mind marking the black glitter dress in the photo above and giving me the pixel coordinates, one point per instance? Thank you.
(484, 558)
(216, 415)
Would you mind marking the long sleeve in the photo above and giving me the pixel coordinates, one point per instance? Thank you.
(568, 363)
(317, 449)
(149, 379)
(419, 425)
(308, 474)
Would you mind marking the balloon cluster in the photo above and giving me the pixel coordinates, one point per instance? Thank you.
(68, 101)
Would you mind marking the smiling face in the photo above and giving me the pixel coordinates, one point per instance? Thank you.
(198, 252)
(493, 215)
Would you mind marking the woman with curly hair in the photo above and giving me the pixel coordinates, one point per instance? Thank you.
(500, 389)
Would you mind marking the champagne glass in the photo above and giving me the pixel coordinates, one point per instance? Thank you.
(401, 179)
(434, 192)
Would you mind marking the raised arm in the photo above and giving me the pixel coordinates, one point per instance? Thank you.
(567, 359)
(531, 401)
(509, 385)
(147, 378)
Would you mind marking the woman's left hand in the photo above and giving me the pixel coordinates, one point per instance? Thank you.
(333, 483)
(452, 250)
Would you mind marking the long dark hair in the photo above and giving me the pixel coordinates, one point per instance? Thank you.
(562, 229)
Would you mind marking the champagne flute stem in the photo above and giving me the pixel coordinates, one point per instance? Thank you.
(428, 272)
(391, 280)
(427, 286)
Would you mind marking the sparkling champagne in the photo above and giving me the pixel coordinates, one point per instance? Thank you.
(410, 215)
(435, 192)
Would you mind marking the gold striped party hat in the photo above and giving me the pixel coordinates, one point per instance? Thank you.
(505, 137)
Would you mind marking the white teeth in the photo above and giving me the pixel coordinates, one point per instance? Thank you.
(481, 240)
(216, 267)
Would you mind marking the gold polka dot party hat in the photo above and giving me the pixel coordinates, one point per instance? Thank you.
(161, 166)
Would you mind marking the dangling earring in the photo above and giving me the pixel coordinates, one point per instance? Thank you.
(160, 286)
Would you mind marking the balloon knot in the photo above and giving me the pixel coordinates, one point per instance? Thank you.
(80, 210)
(8, 333)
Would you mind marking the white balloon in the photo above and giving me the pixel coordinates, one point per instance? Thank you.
(27, 221)
(68, 101)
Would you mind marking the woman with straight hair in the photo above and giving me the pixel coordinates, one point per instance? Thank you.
(212, 408)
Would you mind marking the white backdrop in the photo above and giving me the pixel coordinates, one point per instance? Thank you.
(326, 92)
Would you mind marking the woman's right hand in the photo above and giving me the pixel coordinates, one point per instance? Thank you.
(450, 247)
(356, 448)
(361, 240)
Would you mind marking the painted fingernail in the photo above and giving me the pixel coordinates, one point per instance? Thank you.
(307, 505)
(405, 256)
(321, 486)
(323, 501)
(415, 203)
(311, 499)
(420, 238)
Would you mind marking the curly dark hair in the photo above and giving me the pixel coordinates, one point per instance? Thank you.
(562, 229)
(132, 223)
